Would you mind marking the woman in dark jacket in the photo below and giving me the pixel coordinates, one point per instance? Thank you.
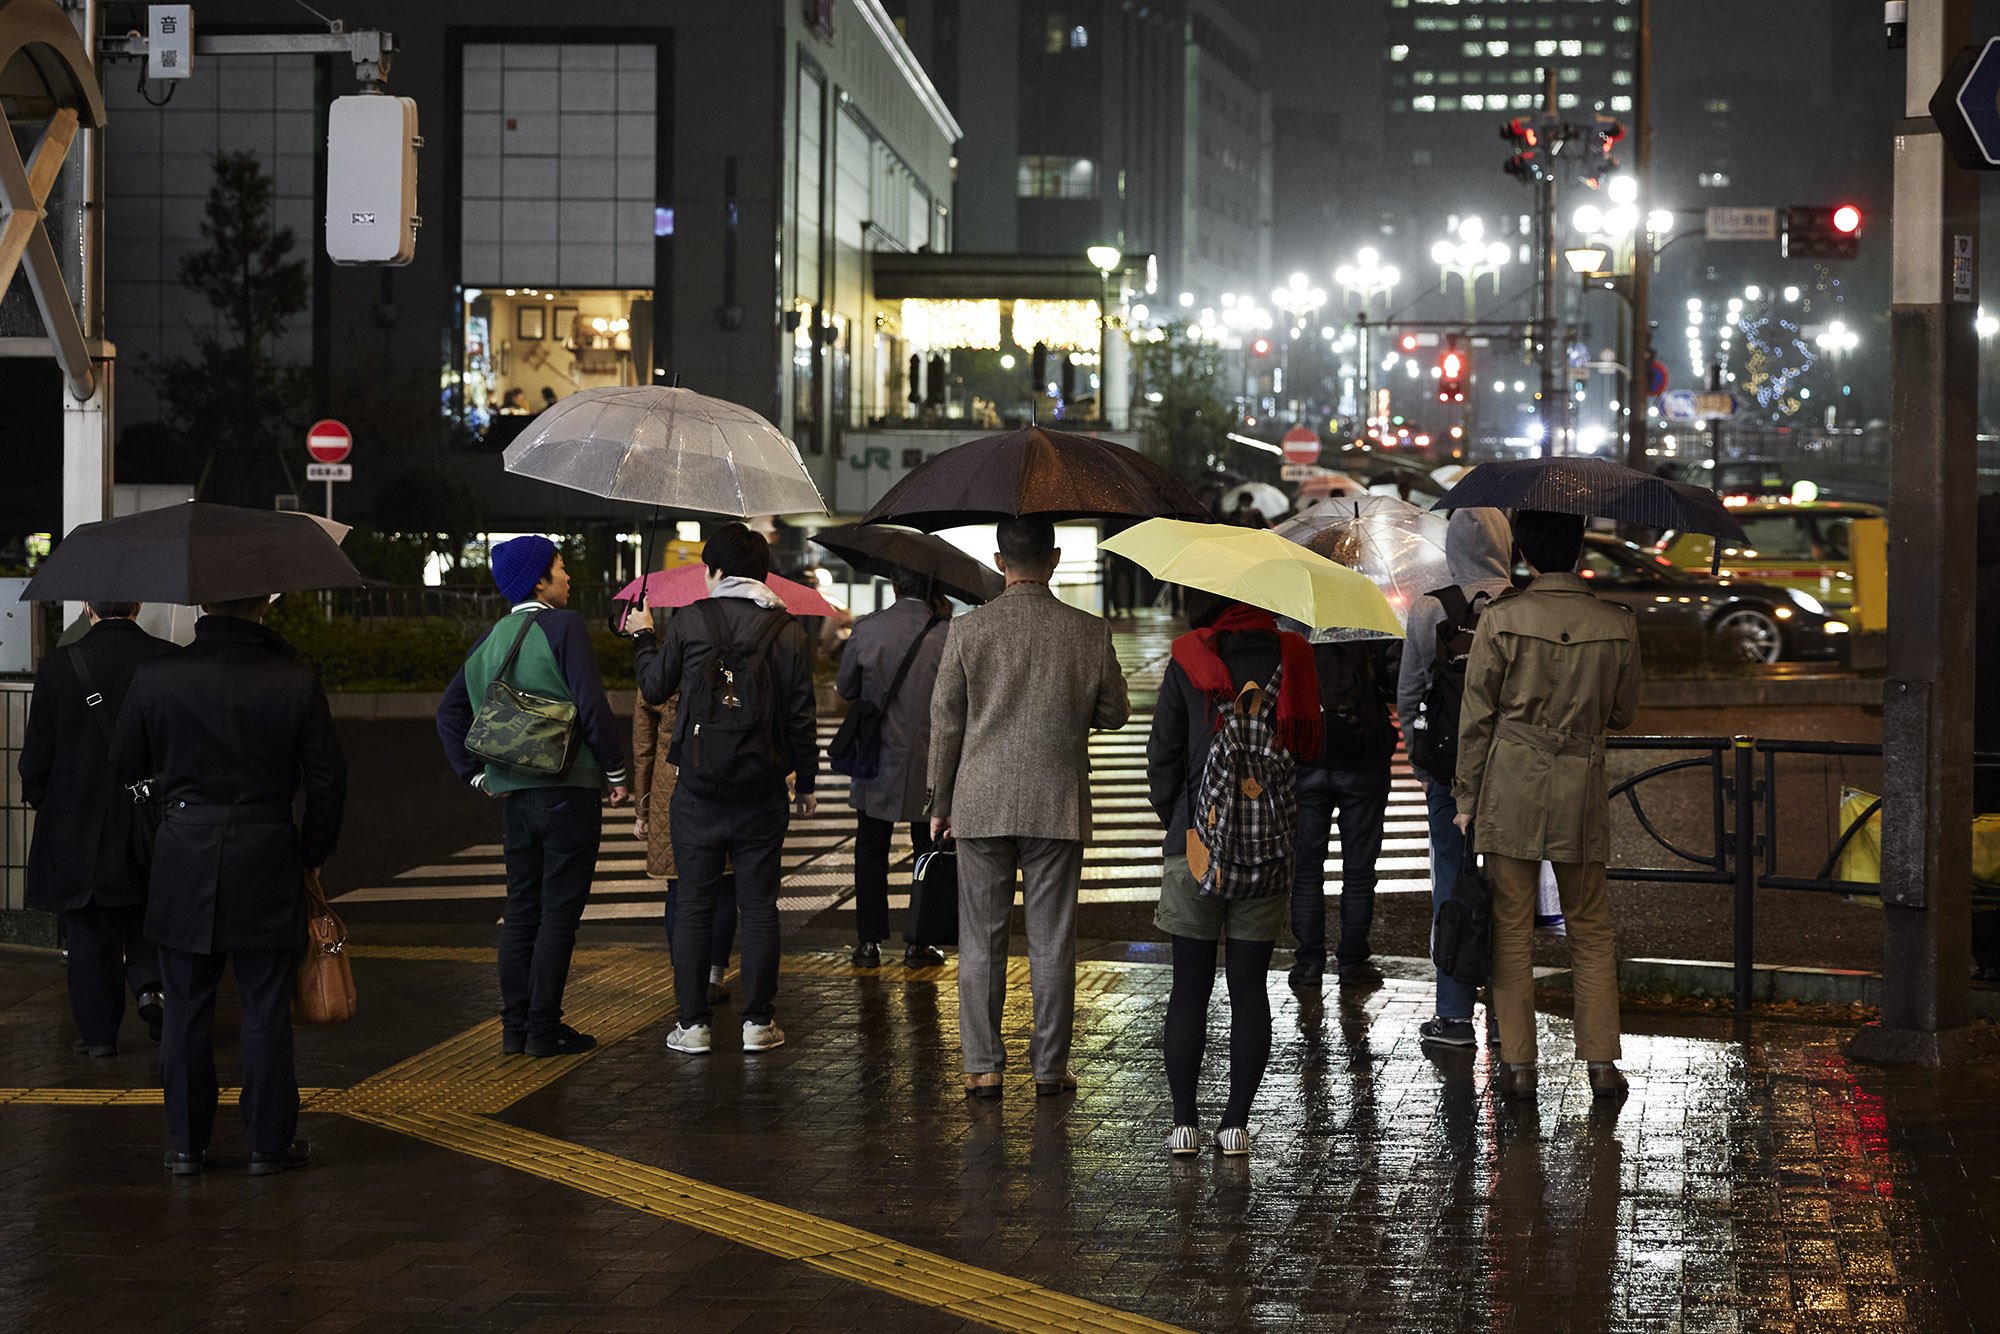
(1231, 644)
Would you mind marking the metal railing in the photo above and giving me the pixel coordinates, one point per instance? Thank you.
(1745, 852)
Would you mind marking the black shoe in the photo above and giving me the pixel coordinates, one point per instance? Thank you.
(82, 1048)
(717, 993)
(1607, 1082)
(184, 1164)
(152, 1009)
(867, 954)
(268, 1164)
(565, 1042)
(923, 956)
(1362, 974)
(1308, 971)
(1511, 1081)
(512, 1043)
(1442, 1032)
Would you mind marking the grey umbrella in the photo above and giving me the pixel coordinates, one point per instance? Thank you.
(672, 448)
(879, 548)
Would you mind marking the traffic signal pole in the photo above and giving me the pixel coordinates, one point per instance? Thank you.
(1928, 698)
(1546, 312)
(1639, 376)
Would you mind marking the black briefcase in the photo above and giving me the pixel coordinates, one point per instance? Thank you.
(1462, 931)
(934, 901)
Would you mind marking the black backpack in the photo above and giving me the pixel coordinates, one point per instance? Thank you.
(1350, 699)
(731, 748)
(1434, 731)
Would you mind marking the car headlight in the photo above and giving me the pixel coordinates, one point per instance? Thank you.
(1807, 601)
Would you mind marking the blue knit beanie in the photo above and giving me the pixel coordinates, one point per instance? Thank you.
(520, 563)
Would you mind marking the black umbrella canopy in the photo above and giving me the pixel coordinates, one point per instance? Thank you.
(190, 554)
(1054, 474)
(1596, 489)
(880, 548)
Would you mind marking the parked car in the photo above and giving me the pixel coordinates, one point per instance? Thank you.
(1804, 546)
(1758, 623)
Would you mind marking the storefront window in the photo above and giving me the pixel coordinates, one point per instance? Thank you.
(528, 348)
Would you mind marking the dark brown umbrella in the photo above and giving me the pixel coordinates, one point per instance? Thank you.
(1054, 474)
(880, 548)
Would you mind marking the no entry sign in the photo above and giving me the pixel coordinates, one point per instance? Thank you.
(1301, 445)
(329, 441)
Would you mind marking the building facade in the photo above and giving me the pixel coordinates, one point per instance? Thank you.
(671, 193)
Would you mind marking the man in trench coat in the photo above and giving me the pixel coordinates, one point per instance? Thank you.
(1551, 669)
(911, 628)
(84, 862)
(230, 729)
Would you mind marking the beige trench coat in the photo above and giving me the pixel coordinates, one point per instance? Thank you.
(653, 783)
(1551, 669)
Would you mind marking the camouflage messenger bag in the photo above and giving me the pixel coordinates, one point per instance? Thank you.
(519, 732)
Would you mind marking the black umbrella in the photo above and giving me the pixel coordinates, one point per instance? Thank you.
(881, 548)
(1054, 474)
(190, 554)
(1595, 488)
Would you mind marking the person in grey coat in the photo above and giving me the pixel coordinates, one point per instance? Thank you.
(911, 630)
(1024, 680)
(1479, 551)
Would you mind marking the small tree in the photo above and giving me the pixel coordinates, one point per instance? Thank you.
(240, 408)
(1186, 429)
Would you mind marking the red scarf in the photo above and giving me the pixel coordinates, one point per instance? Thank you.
(1299, 723)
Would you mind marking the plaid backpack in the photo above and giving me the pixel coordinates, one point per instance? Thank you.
(1246, 806)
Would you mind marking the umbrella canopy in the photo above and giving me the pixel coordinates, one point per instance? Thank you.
(1595, 488)
(1259, 567)
(190, 554)
(689, 583)
(1272, 503)
(1054, 474)
(1323, 484)
(1450, 474)
(1396, 545)
(668, 447)
(882, 548)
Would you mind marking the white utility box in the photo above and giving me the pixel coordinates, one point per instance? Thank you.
(371, 179)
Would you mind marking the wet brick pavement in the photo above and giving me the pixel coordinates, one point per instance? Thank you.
(1755, 1180)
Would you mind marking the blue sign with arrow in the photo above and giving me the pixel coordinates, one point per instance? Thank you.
(1966, 106)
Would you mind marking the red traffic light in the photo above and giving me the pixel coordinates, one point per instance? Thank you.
(1452, 365)
(1847, 219)
(1261, 348)
(1409, 342)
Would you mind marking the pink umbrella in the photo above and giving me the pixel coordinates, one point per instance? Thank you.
(679, 587)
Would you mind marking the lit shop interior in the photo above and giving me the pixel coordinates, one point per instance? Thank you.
(526, 348)
(986, 363)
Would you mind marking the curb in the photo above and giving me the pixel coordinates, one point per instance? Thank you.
(1736, 693)
(1769, 983)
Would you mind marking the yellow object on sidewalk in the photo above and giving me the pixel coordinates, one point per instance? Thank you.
(1260, 568)
(1861, 859)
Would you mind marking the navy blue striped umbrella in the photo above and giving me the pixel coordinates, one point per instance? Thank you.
(1596, 489)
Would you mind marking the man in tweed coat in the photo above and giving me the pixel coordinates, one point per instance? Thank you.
(1023, 681)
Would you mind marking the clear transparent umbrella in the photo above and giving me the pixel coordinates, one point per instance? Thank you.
(1399, 547)
(668, 447)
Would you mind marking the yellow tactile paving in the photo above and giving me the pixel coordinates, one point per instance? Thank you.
(448, 1094)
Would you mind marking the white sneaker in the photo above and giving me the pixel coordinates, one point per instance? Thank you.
(692, 1040)
(762, 1037)
(1185, 1142)
(1233, 1142)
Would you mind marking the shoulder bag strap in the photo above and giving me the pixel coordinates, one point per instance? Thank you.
(896, 682)
(93, 701)
(507, 663)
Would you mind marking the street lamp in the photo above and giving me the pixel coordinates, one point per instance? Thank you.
(1470, 257)
(1297, 298)
(1368, 277)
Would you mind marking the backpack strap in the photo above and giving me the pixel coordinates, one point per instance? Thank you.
(896, 682)
(1452, 599)
(767, 633)
(93, 700)
(507, 663)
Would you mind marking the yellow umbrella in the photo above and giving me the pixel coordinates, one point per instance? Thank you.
(1260, 568)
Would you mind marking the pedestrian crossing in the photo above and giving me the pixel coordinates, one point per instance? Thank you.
(1122, 864)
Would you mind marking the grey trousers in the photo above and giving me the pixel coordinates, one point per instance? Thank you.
(1051, 871)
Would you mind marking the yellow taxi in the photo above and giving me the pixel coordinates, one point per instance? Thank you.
(1806, 546)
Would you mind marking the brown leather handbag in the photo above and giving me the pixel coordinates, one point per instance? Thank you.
(326, 979)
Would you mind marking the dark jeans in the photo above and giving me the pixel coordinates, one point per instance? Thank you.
(871, 873)
(107, 957)
(1361, 800)
(270, 1101)
(709, 837)
(552, 838)
(1454, 999)
(723, 935)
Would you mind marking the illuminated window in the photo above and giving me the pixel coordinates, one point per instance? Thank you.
(1621, 104)
(1473, 49)
(1712, 180)
(1572, 48)
(1621, 77)
(1496, 48)
(1049, 176)
(1545, 48)
(1716, 105)
(1424, 103)
(1524, 101)
(1424, 76)
(1399, 52)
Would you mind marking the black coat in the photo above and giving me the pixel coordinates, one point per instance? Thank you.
(81, 854)
(229, 729)
(1184, 727)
